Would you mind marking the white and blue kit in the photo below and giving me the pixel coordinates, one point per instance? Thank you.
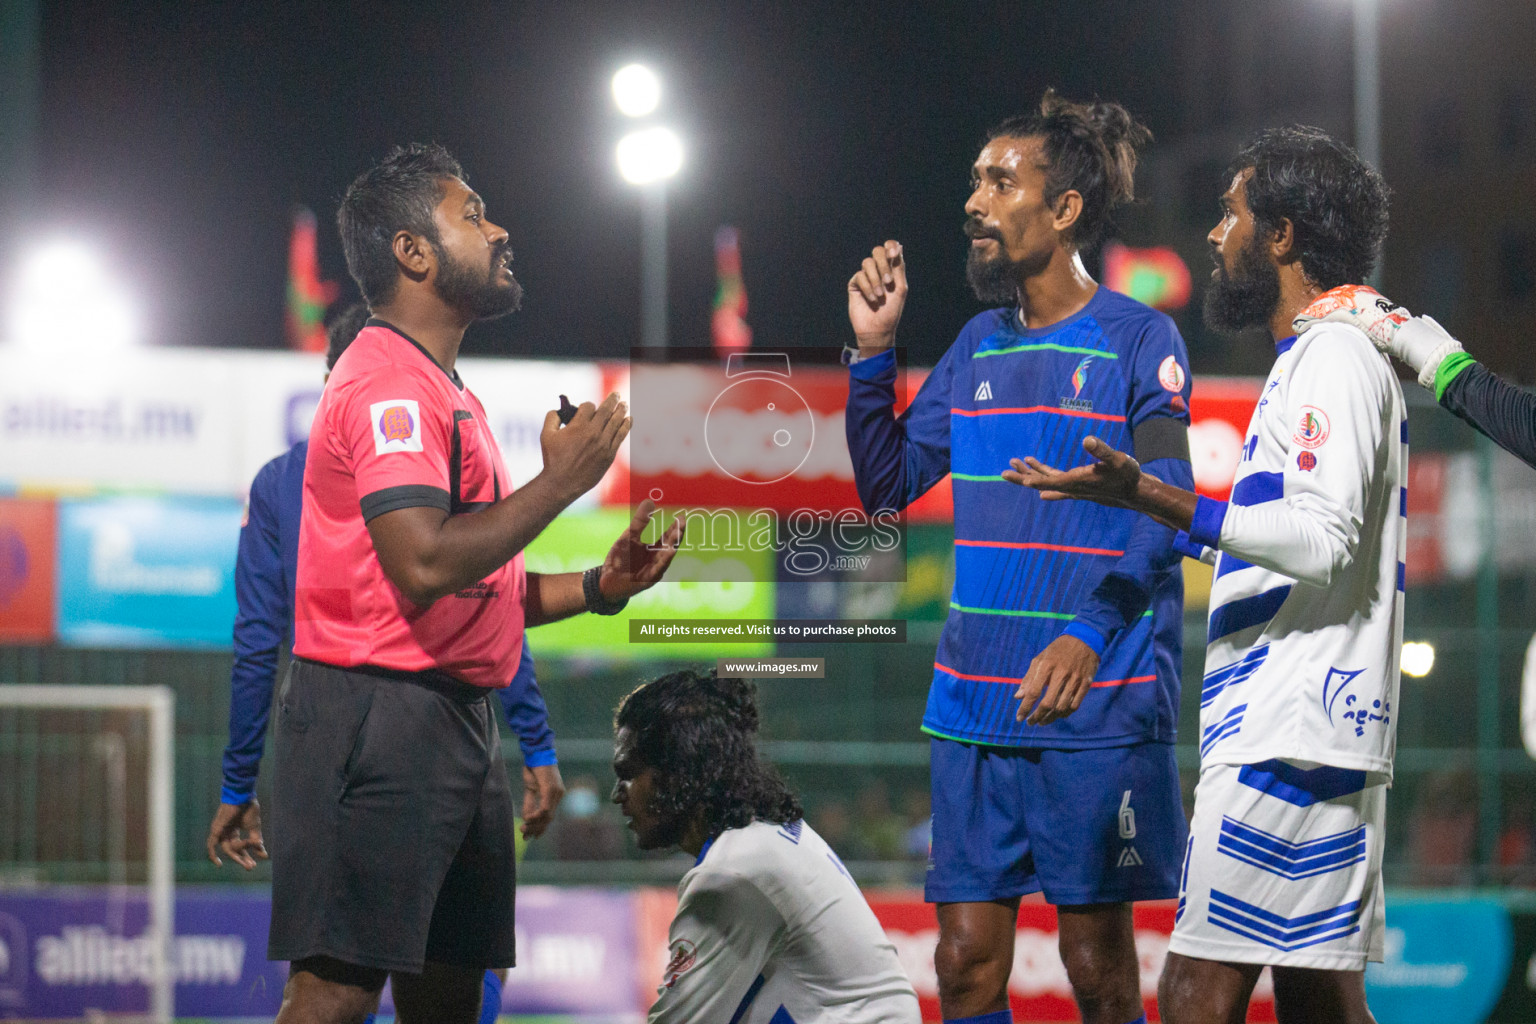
(770, 929)
(1301, 674)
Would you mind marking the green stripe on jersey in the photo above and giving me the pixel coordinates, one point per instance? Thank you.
(1044, 347)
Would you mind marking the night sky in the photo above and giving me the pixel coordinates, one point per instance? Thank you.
(181, 135)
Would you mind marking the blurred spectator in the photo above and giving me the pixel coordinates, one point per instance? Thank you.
(919, 815)
(587, 830)
(881, 832)
(1443, 831)
(835, 825)
(1516, 853)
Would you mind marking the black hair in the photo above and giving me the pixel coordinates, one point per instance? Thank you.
(1336, 202)
(398, 194)
(342, 329)
(697, 731)
(1090, 148)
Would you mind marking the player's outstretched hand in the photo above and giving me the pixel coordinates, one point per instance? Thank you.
(1417, 341)
(876, 296)
(632, 565)
(543, 789)
(1111, 479)
(1057, 681)
(579, 453)
(236, 830)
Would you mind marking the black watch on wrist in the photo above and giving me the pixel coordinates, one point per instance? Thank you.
(597, 604)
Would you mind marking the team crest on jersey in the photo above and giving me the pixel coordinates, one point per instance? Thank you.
(684, 955)
(1306, 462)
(1312, 431)
(1079, 379)
(1171, 375)
(396, 426)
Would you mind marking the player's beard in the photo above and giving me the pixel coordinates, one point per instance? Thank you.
(480, 293)
(994, 279)
(1248, 296)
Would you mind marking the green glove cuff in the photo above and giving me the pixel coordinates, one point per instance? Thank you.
(1449, 369)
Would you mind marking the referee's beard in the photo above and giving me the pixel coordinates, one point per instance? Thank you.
(483, 294)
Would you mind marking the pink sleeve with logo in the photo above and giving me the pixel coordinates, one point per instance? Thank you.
(398, 432)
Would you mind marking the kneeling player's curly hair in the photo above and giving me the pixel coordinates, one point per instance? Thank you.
(698, 732)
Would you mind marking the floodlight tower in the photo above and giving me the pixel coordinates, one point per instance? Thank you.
(647, 157)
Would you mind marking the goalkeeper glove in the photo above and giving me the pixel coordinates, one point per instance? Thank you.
(1416, 340)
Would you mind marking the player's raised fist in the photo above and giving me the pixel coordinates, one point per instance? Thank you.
(876, 295)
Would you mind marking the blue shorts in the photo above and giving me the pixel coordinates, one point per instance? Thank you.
(1085, 826)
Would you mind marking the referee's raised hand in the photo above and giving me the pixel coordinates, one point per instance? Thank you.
(579, 453)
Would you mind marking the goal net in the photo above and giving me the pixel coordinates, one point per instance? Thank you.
(86, 800)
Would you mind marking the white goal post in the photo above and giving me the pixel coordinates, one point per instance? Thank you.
(160, 704)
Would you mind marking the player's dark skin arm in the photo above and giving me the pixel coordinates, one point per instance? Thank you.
(1113, 479)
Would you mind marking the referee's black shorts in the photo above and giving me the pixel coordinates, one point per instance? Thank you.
(391, 827)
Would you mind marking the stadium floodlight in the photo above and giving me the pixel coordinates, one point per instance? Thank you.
(650, 155)
(1418, 659)
(64, 297)
(636, 90)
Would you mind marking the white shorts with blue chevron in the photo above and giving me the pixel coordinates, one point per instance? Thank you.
(1284, 867)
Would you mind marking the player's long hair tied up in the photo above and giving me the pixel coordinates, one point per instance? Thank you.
(698, 732)
(1090, 148)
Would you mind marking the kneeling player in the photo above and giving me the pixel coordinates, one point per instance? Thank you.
(769, 926)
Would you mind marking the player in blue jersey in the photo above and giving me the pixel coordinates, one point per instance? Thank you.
(265, 568)
(1055, 692)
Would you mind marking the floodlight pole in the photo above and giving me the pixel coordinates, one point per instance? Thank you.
(653, 265)
(1368, 88)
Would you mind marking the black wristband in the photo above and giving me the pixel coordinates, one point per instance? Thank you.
(597, 604)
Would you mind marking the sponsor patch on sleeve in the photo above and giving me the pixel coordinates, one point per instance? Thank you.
(396, 426)
(1312, 429)
(684, 955)
(1171, 375)
(1306, 462)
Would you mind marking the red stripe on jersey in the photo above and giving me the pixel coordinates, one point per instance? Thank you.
(1041, 409)
(1023, 546)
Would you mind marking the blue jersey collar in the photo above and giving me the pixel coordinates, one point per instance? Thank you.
(1284, 345)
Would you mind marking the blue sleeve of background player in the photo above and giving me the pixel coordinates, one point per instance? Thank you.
(1159, 422)
(263, 616)
(896, 459)
(524, 707)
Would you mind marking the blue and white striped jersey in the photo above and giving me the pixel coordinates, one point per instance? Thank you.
(1306, 615)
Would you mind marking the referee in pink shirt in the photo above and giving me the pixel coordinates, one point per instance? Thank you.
(392, 830)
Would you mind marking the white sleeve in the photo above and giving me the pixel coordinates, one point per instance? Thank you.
(1337, 416)
(718, 945)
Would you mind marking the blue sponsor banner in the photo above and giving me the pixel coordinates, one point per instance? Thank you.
(1446, 962)
(69, 951)
(66, 952)
(147, 572)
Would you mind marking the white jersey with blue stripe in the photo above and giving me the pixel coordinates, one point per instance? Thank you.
(1306, 615)
(770, 929)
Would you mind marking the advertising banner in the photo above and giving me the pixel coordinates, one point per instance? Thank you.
(1219, 411)
(1446, 962)
(724, 588)
(143, 418)
(147, 572)
(27, 539)
(71, 952)
(1038, 990)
